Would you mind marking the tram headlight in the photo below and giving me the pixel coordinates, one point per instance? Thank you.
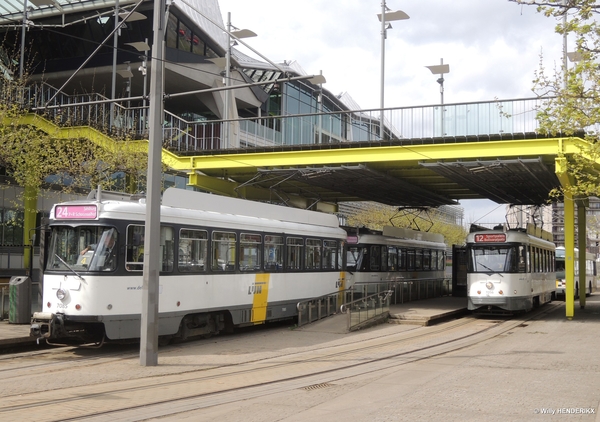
(489, 285)
(61, 294)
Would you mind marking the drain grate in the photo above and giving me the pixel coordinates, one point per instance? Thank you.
(317, 386)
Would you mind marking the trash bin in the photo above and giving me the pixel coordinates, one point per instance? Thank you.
(19, 300)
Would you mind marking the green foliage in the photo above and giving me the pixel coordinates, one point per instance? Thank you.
(35, 160)
(376, 216)
(574, 106)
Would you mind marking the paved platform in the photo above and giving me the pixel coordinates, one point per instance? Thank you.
(421, 312)
(14, 334)
(428, 311)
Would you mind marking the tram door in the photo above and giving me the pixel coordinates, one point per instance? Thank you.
(459, 271)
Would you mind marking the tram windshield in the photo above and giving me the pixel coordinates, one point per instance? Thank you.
(498, 259)
(354, 257)
(84, 248)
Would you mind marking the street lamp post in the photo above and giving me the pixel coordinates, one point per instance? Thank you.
(242, 33)
(385, 17)
(440, 69)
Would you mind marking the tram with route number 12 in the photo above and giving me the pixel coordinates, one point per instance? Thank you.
(224, 263)
(509, 271)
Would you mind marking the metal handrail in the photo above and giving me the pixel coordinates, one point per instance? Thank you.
(376, 306)
(482, 120)
(314, 309)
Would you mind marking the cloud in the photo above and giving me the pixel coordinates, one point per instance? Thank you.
(492, 46)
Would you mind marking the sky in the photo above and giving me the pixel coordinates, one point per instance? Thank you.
(493, 48)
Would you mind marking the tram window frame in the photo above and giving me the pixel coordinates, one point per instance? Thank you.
(250, 244)
(410, 259)
(426, 259)
(134, 247)
(384, 258)
(392, 258)
(294, 247)
(192, 251)
(401, 259)
(434, 259)
(330, 254)
(167, 244)
(418, 259)
(358, 254)
(223, 242)
(313, 250)
(273, 252)
(374, 258)
(521, 259)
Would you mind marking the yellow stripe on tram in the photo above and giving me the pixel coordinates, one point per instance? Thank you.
(341, 284)
(260, 290)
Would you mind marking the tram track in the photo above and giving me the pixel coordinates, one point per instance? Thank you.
(220, 384)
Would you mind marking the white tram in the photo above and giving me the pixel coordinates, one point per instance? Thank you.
(224, 263)
(591, 273)
(394, 254)
(510, 270)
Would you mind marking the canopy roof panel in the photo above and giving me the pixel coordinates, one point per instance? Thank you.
(11, 11)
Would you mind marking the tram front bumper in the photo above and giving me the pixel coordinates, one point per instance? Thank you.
(46, 325)
(513, 303)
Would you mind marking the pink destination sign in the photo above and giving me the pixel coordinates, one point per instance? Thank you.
(86, 212)
(491, 237)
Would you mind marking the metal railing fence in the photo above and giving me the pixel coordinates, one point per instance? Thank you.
(312, 310)
(367, 309)
(479, 121)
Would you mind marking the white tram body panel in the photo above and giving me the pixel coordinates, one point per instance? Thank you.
(77, 298)
(509, 271)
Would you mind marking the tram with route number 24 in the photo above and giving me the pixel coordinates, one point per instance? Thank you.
(509, 271)
(224, 263)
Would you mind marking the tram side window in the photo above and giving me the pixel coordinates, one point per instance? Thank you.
(273, 253)
(426, 259)
(402, 259)
(392, 261)
(418, 259)
(250, 258)
(434, 259)
(313, 254)
(522, 259)
(192, 251)
(294, 253)
(410, 259)
(375, 261)
(135, 248)
(441, 260)
(355, 258)
(167, 243)
(384, 258)
(223, 251)
(542, 260)
(330, 253)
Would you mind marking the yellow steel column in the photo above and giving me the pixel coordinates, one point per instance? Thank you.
(582, 246)
(569, 224)
(30, 197)
(562, 171)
